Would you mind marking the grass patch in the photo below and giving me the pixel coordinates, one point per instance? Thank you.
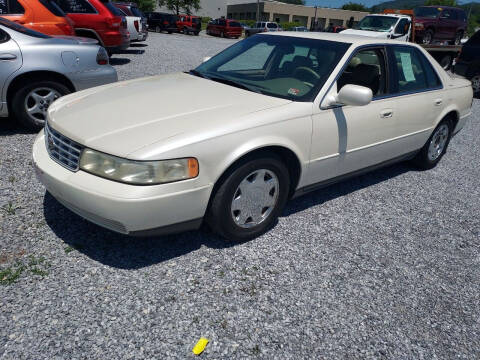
(11, 274)
(9, 208)
(35, 265)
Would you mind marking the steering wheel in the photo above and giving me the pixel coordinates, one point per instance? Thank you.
(306, 71)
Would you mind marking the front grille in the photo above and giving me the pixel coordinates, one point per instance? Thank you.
(61, 149)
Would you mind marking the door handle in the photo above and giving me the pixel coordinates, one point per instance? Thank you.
(438, 102)
(7, 57)
(387, 113)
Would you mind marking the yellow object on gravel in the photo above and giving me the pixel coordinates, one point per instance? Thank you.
(200, 346)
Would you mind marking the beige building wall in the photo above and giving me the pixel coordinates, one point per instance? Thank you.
(281, 12)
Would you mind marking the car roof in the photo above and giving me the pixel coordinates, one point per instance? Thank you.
(390, 15)
(356, 40)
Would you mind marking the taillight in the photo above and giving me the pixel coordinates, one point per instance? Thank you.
(102, 56)
(114, 22)
(135, 23)
(67, 29)
(165, 23)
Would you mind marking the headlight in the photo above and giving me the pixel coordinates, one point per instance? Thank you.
(138, 172)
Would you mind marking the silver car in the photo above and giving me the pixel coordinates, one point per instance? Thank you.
(36, 69)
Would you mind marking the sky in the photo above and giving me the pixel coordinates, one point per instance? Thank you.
(339, 3)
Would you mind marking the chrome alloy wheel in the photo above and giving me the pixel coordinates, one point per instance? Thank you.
(255, 198)
(438, 142)
(476, 84)
(37, 102)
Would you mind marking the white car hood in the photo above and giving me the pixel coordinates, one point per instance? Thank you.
(375, 34)
(123, 117)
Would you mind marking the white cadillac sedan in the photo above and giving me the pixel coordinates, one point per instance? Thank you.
(273, 116)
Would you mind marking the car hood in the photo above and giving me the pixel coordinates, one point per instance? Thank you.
(375, 34)
(123, 117)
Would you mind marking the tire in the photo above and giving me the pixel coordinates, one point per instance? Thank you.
(185, 31)
(446, 61)
(237, 224)
(222, 34)
(36, 95)
(476, 84)
(157, 29)
(458, 38)
(197, 33)
(428, 37)
(441, 135)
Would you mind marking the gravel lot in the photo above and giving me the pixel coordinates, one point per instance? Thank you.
(386, 265)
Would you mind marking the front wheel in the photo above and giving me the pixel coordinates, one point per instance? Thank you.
(250, 198)
(435, 147)
(428, 37)
(31, 101)
(476, 85)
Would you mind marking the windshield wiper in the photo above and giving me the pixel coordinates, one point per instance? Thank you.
(198, 73)
(234, 83)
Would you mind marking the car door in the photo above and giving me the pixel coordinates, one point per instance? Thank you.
(358, 136)
(402, 30)
(10, 60)
(417, 91)
(446, 24)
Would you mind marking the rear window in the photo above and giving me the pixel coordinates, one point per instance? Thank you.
(76, 6)
(271, 25)
(22, 29)
(113, 10)
(52, 7)
(11, 7)
(234, 24)
(136, 11)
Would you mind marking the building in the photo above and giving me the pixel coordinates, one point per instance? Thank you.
(211, 8)
(282, 12)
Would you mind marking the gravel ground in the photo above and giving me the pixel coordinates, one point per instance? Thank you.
(382, 266)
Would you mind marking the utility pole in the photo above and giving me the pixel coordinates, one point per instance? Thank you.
(315, 20)
(258, 10)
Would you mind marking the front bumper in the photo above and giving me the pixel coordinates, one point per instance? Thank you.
(127, 209)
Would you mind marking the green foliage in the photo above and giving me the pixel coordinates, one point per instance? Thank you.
(178, 6)
(355, 7)
(146, 5)
(441, 2)
(289, 25)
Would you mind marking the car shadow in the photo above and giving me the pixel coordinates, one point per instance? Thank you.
(138, 45)
(130, 51)
(124, 252)
(119, 61)
(8, 127)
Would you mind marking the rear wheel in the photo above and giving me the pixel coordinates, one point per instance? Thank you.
(476, 84)
(446, 61)
(222, 34)
(250, 198)
(435, 147)
(428, 37)
(197, 32)
(157, 29)
(31, 101)
(458, 38)
(185, 31)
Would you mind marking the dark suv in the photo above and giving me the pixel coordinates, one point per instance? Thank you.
(441, 23)
(468, 62)
(162, 22)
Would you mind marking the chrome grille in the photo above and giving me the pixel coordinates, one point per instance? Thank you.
(61, 149)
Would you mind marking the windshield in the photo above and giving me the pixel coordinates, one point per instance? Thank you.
(427, 12)
(21, 29)
(281, 66)
(377, 23)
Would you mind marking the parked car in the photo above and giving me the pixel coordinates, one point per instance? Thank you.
(433, 23)
(224, 28)
(134, 26)
(274, 116)
(468, 62)
(37, 69)
(39, 15)
(189, 24)
(131, 9)
(162, 22)
(262, 27)
(383, 26)
(100, 20)
(299, 28)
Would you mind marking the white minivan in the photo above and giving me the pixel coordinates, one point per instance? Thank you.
(383, 26)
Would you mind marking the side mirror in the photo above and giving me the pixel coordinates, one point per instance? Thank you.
(205, 59)
(354, 95)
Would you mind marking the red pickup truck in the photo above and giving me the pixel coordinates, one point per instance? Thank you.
(189, 24)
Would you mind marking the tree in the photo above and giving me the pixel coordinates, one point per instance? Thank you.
(355, 7)
(177, 5)
(441, 2)
(146, 5)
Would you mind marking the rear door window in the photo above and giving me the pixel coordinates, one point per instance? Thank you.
(113, 10)
(272, 25)
(76, 6)
(52, 7)
(11, 7)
